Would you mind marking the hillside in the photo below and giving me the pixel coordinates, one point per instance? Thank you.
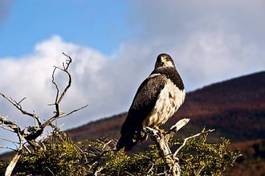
(235, 108)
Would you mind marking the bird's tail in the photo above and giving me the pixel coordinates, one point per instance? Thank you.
(127, 141)
(130, 139)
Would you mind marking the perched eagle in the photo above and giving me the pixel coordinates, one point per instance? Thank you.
(157, 99)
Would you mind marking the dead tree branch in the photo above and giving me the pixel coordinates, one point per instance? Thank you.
(18, 106)
(191, 137)
(7, 124)
(29, 134)
(17, 156)
(161, 140)
(60, 94)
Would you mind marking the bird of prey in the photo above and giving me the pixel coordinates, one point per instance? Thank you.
(156, 100)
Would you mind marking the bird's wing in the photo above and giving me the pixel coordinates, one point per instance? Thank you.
(143, 103)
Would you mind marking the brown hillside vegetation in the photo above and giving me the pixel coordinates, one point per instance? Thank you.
(235, 108)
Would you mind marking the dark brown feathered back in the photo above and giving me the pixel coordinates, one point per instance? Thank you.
(142, 105)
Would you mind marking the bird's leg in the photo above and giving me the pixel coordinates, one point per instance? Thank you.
(161, 130)
(151, 130)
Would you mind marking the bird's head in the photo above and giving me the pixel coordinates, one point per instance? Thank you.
(164, 60)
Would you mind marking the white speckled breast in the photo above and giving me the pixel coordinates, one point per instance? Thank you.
(168, 102)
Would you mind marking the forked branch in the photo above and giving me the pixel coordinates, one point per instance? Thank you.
(18, 106)
(161, 139)
(29, 134)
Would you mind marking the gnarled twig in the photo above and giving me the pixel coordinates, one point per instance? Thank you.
(161, 139)
(31, 133)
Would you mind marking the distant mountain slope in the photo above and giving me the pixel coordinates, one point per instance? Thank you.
(242, 89)
(235, 108)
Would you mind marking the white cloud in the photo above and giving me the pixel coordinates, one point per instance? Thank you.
(30, 75)
(210, 40)
(208, 57)
(105, 83)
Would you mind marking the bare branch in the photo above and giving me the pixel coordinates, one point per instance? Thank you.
(191, 137)
(164, 150)
(66, 65)
(106, 144)
(55, 117)
(73, 111)
(129, 173)
(55, 84)
(7, 129)
(21, 134)
(24, 98)
(17, 105)
(17, 156)
(28, 150)
(67, 86)
(68, 61)
(9, 124)
(59, 96)
(30, 133)
(150, 170)
(161, 139)
(97, 171)
(181, 123)
(12, 164)
(50, 171)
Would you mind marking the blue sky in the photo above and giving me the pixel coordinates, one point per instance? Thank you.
(83, 22)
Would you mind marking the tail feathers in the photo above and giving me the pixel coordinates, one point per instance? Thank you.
(126, 141)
